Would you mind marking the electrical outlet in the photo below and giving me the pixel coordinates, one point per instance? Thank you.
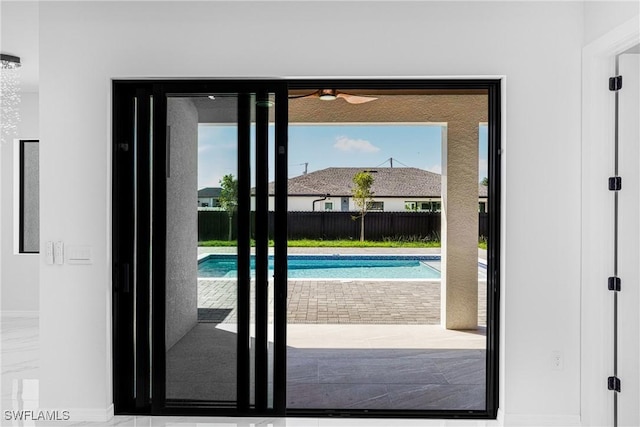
(557, 362)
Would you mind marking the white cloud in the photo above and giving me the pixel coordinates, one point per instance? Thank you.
(435, 168)
(361, 145)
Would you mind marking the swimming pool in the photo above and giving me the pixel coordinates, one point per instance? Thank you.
(333, 266)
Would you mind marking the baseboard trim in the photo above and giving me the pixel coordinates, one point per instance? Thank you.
(515, 420)
(20, 313)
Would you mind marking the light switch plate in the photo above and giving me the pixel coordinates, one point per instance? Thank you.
(48, 252)
(58, 253)
(79, 255)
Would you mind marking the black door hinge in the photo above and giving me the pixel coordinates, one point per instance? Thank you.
(615, 83)
(614, 284)
(615, 183)
(613, 384)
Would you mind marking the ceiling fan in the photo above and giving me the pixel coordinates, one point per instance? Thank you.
(332, 94)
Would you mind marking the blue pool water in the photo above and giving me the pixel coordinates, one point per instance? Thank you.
(333, 266)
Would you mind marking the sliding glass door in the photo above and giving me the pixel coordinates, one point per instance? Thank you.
(194, 267)
(209, 316)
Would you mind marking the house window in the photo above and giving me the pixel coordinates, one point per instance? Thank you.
(376, 206)
(422, 206)
(28, 180)
(411, 206)
(328, 206)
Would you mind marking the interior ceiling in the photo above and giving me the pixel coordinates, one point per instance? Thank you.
(392, 106)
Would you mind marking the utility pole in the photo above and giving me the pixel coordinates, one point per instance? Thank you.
(306, 164)
(391, 161)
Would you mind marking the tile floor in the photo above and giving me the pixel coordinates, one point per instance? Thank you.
(20, 380)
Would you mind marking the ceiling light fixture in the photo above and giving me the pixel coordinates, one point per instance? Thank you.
(9, 62)
(328, 94)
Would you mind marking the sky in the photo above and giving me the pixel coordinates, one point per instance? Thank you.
(323, 146)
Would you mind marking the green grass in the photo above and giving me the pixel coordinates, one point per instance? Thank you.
(482, 243)
(222, 243)
(308, 243)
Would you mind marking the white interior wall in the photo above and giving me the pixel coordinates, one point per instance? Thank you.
(600, 17)
(541, 311)
(87, 88)
(20, 272)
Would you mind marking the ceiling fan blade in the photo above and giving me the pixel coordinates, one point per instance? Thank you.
(309, 95)
(355, 99)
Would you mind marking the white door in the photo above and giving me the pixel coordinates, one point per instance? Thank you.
(629, 241)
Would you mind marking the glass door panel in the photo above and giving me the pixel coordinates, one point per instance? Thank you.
(201, 289)
(373, 326)
(218, 336)
(194, 180)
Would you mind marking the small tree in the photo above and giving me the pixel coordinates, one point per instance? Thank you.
(485, 181)
(229, 198)
(362, 196)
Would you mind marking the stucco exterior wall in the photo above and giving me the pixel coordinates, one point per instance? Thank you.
(182, 221)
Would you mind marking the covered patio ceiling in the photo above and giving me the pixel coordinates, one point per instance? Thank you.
(391, 106)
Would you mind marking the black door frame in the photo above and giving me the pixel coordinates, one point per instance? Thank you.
(134, 367)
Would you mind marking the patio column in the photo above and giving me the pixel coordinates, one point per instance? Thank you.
(459, 232)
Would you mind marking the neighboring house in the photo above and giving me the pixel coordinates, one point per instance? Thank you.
(208, 197)
(394, 189)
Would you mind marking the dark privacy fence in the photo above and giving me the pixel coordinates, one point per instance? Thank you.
(214, 225)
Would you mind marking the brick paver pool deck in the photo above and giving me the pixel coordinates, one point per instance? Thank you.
(343, 302)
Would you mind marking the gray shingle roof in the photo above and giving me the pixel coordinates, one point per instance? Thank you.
(209, 192)
(388, 182)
